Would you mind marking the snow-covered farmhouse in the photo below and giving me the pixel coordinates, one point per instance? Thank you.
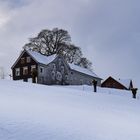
(111, 82)
(51, 70)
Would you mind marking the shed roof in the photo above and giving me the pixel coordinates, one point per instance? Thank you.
(83, 70)
(125, 82)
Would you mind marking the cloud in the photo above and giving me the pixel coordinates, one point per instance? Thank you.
(4, 18)
(107, 30)
(4, 15)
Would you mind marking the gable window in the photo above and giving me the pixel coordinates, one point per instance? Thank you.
(33, 67)
(25, 70)
(28, 59)
(17, 71)
(22, 60)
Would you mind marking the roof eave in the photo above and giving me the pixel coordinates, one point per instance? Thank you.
(86, 74)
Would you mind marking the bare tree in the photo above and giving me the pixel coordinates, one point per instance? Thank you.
(57, 41)
(50, 42)
(85, 63)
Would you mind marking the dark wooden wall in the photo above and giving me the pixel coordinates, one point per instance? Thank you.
(112, 83)
(20, 65)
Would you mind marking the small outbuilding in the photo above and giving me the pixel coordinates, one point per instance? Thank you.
(111, 82)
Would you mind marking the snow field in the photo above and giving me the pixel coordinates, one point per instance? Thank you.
(30, 111)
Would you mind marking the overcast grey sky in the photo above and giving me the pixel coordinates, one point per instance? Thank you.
(108, 31)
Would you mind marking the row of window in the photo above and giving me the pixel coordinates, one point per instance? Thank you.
(24, 60)
(25, 70)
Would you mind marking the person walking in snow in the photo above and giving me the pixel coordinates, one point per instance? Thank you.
(94, 82)
(134, 92)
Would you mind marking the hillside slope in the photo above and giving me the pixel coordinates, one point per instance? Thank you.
(38, 112)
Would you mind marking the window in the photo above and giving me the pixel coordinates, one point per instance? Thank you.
(33, 67)
(17, 71)
(66, 77)
(41, 69)
(25, 70)
(53, 66)
(28, 59)
(22, 60)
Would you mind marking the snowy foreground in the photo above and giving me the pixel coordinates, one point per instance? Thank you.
(37, 112)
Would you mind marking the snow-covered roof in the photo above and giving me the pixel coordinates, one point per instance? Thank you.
(83, 70)
(125, 82)
(41, 58)
(47, 59)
